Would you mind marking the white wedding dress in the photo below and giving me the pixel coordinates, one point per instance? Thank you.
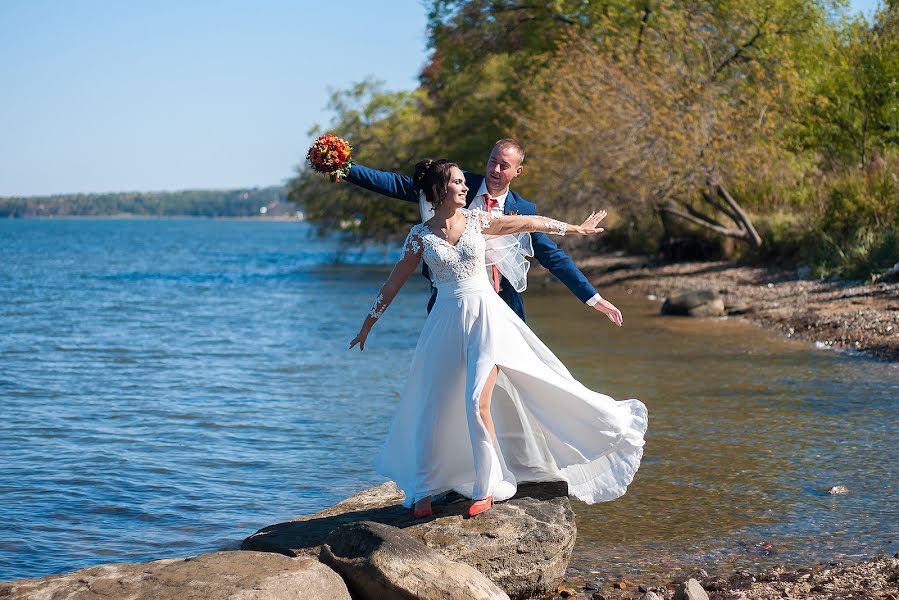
(549, 427)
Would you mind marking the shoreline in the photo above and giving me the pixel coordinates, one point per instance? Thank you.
(872, 578)
(130, 217)
(868, 578)
(531, 559)
(851, 315)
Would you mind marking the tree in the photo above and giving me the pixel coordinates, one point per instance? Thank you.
(665, 113)
(388, 130)
(856, 105)
(484, 55)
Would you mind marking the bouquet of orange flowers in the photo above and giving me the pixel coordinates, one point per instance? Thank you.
(331, 155)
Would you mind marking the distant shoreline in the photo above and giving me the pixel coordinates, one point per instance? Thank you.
(267, 202)
(127, 217)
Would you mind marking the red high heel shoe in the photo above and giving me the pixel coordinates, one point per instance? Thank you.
(424, 511)
(480, 506)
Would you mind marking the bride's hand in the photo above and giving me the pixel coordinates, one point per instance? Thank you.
(359, 339)
(589, 227)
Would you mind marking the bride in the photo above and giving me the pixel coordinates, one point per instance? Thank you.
(479, 371)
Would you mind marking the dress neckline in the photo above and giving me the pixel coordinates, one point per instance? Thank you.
(447, 242)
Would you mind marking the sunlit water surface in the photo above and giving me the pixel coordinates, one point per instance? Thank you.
(167, 387)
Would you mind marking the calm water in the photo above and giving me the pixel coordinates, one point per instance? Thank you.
(168, 387)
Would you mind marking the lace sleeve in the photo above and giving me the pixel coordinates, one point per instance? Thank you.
(484, 219)
(412, 249)
(506, 224)
(554, 227)
(378, 308)
(413, 243)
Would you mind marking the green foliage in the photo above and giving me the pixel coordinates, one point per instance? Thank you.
(849, 225)
(194, 203)
(640, 104)
(485, 55)
(389, 131)
(859, 220)
(855, 109)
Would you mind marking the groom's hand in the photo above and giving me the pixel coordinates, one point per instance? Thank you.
(609, 310)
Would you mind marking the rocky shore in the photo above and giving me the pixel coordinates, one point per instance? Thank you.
(850, 314)
(369, 547)
(365, 547)
(876, 579)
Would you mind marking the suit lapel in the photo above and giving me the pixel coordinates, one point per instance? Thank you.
(511, 204)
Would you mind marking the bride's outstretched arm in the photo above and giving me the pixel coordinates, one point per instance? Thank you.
(401, 271)
(502, 225)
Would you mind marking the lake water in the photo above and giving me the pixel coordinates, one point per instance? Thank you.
(168, 387)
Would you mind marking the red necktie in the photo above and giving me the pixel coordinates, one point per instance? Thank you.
(491, 202)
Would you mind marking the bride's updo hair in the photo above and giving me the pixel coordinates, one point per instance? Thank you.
(432, 177)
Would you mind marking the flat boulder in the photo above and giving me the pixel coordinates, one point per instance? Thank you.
(215, 576)
(379, 561)
(522, 545)
(700, 303)
(690, 590)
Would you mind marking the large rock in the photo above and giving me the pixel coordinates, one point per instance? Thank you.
(690, 590)
(216, 576)
(701, 303)
(379, 561)
(522, 545)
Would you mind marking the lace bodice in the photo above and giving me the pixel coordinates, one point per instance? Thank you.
(445, 261)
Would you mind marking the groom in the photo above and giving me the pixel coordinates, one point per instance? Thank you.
(503, 165)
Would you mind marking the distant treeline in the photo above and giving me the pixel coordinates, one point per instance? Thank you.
(194, 203)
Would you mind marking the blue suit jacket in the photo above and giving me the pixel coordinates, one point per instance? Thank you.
(545, 250)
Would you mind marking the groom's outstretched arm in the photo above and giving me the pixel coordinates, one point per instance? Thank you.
(556, 261)
(383, 182)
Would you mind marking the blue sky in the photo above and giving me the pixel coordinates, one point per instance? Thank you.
(116, 95)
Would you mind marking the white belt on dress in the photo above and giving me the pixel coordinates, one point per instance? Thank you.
(472, 286)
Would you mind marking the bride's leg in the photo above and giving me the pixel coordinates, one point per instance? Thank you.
(480, 384)
(484, 403)
(479, 506)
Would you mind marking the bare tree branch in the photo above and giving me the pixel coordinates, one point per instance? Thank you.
(720, 207)
(744, 220)
(701, 215)
(725, 231)
(738, 53)
(517, 7)
(744, 230)
(644, 20)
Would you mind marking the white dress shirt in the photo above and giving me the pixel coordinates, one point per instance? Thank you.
(498, 209)
(478, 202)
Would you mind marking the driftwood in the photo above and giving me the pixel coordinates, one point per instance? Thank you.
(721, 201)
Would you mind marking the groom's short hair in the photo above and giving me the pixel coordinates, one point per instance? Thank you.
(510, 144)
